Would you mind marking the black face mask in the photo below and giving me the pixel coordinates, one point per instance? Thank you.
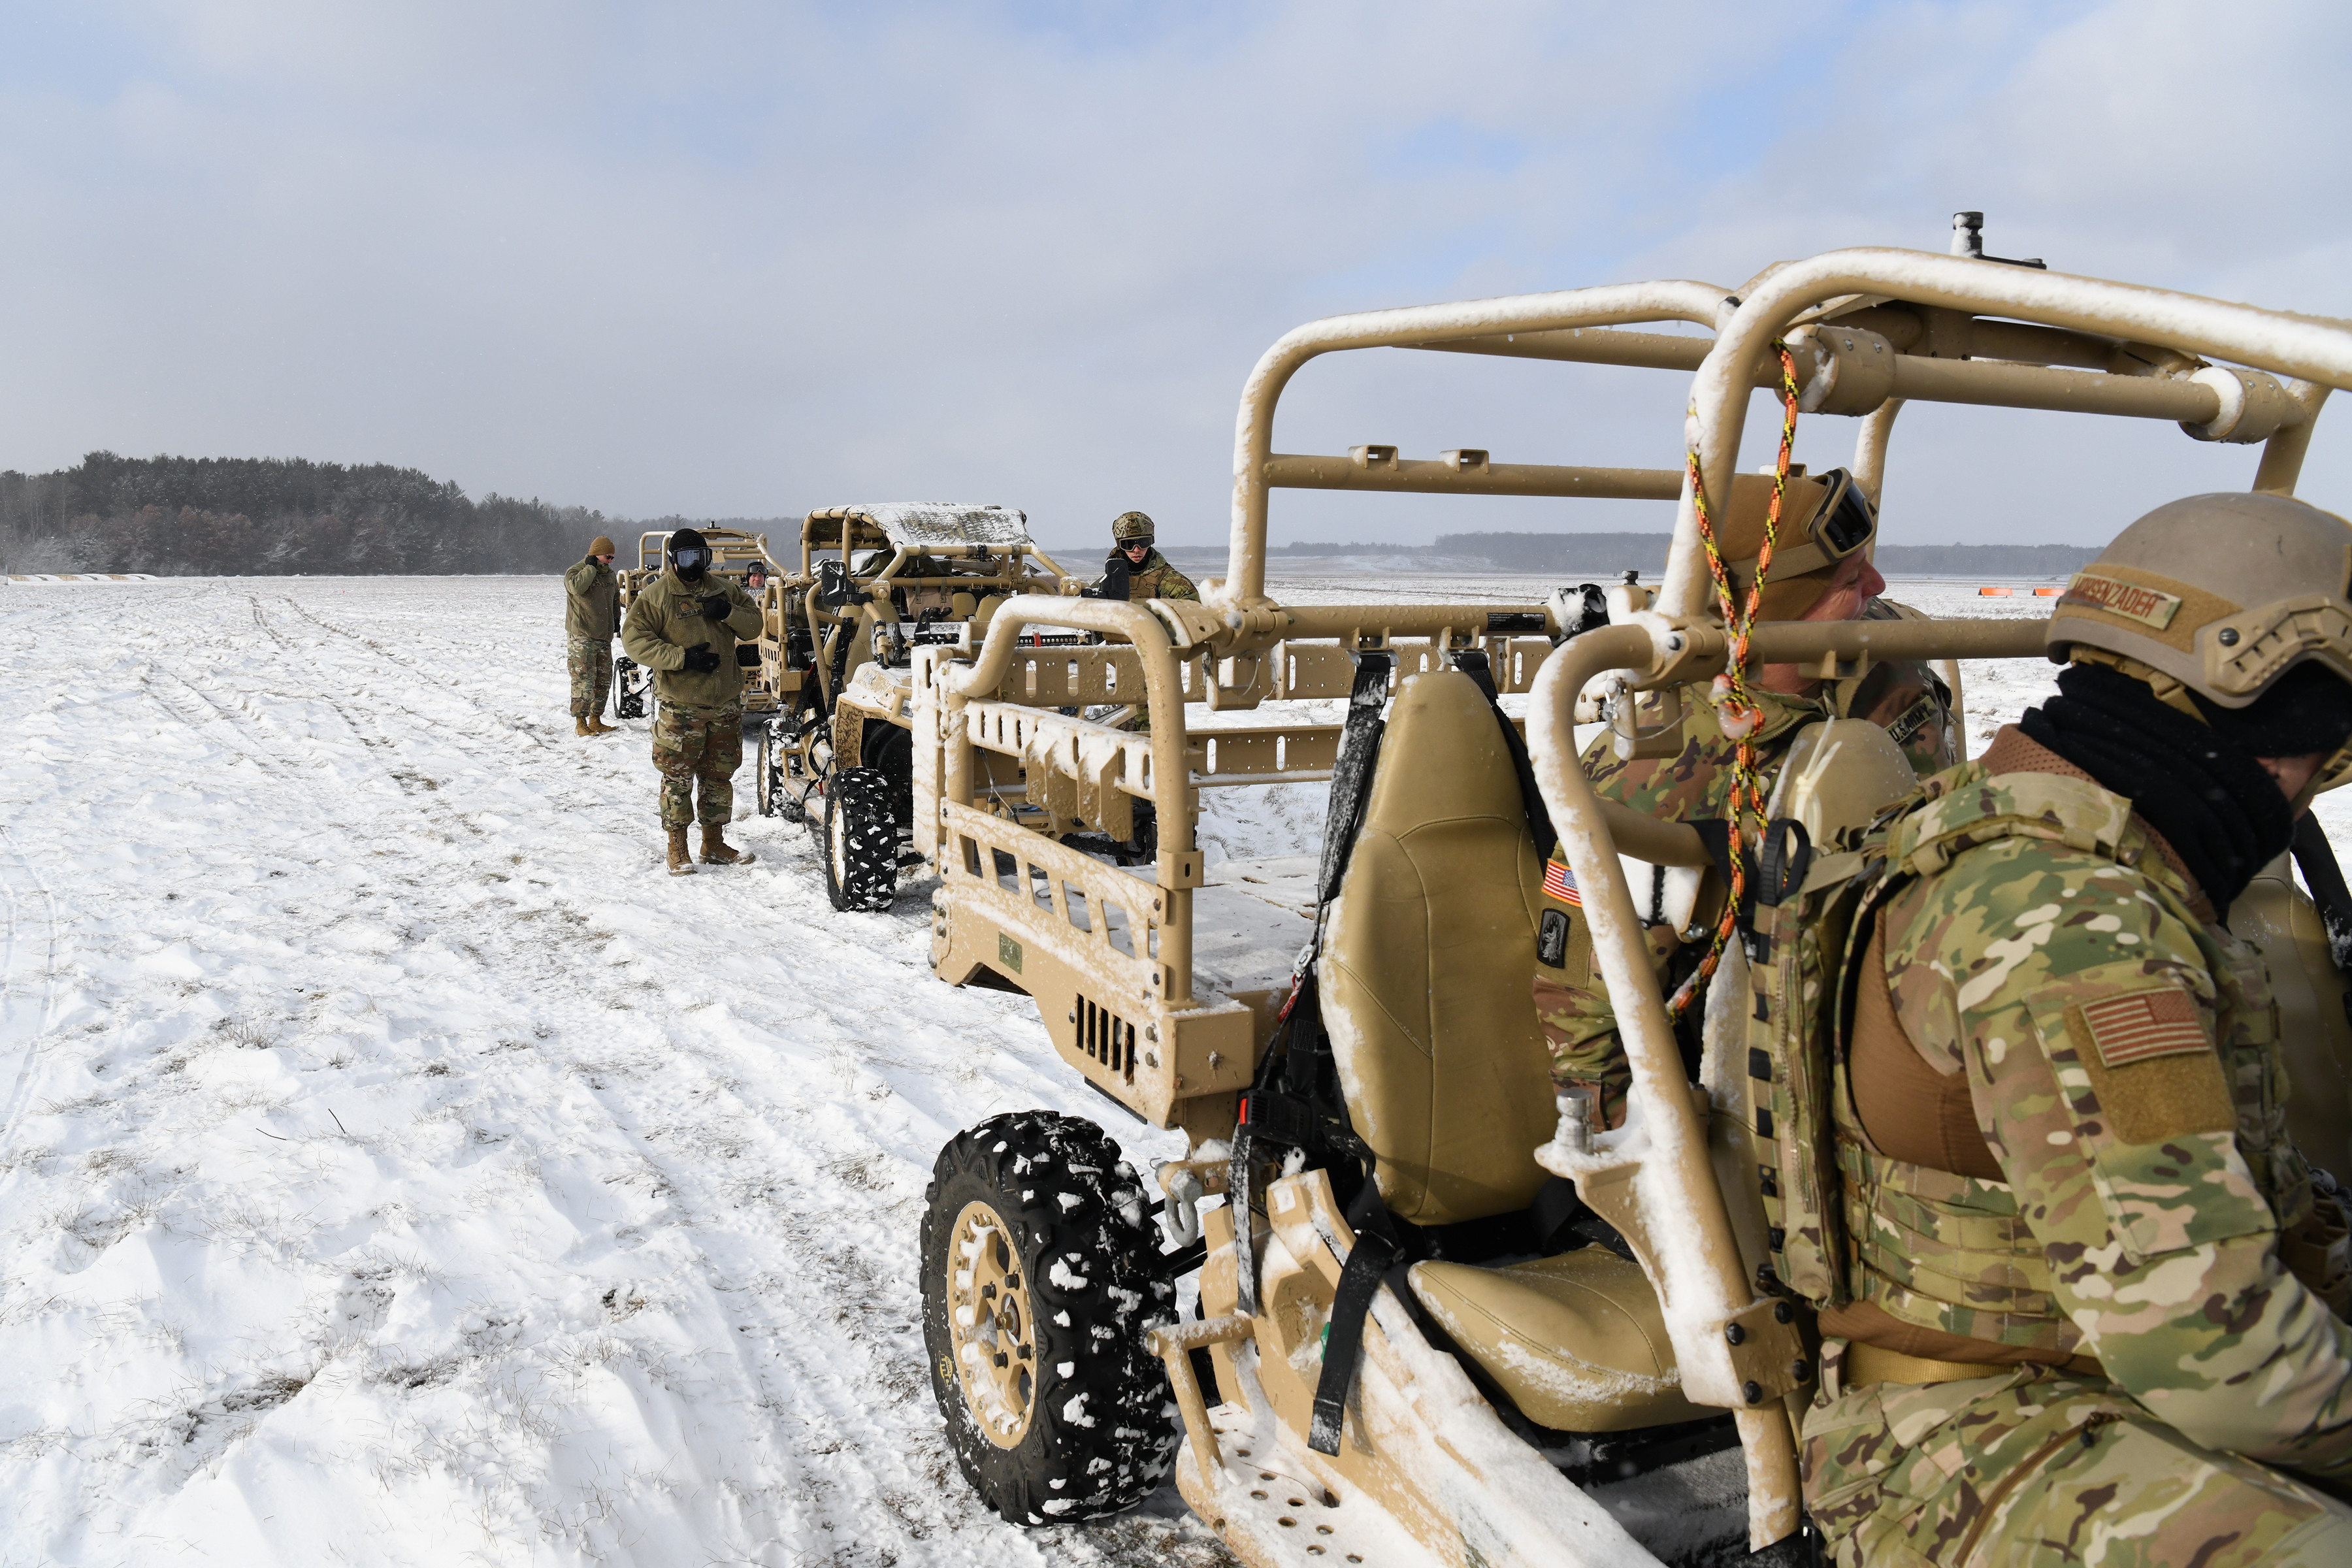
(691, 562)
(2215, 805)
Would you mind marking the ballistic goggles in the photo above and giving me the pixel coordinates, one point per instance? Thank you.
(690, 557)
(1842, 524)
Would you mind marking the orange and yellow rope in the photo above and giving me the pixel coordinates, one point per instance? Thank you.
(1736, 708)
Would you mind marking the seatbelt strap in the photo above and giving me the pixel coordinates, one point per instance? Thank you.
(1351, 773)
(1343, 1339)
(2325, 878)
(1374, 1254)
(1261, 1114)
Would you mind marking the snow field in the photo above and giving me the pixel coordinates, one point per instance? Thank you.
(395, 1167)
(399, 1168)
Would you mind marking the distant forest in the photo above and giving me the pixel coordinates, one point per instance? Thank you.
(245, 516)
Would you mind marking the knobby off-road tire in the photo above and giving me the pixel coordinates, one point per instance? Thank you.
(630, 682)
(860, 842)
(768, 776)
(1039, 1285)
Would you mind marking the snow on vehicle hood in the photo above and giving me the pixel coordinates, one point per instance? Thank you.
(916, 524)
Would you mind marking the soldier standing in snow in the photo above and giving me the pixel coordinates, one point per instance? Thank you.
(683, 626)
(2094, 1310)
(592, 618)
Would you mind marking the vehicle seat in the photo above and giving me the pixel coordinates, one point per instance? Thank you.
(1428, 962)
(1427, 975)
(1577, 1342)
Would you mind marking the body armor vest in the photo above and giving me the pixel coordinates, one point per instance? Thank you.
(1911, 1240)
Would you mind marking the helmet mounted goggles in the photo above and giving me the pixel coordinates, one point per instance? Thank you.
(1843, 523)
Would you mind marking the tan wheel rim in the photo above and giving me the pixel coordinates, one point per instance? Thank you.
(989, 1333)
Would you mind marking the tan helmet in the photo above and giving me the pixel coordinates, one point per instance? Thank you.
(2271, 576)
(1824, 518)
(1130, 528)
(601, 545)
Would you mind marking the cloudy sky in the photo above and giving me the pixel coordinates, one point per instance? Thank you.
(747, 260)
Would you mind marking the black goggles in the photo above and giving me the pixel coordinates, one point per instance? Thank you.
(690, 557)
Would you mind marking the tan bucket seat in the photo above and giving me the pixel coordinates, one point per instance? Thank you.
(1425, 994)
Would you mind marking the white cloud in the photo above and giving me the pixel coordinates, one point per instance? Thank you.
(750, 259)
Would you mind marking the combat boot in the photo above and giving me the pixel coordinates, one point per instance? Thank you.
(715, 851)
(579, 727)
(681, 860)
(596, 725)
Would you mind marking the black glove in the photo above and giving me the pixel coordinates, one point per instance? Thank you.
(716, 607)
(701, 660)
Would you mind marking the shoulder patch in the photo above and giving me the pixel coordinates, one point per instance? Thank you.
(2140, 1026)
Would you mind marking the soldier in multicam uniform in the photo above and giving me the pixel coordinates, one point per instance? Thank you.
(1134, 570)
(683, 626)
(592, 618)
(1821, 571)
(2092, 1311)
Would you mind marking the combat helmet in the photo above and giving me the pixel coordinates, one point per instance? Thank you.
(1130, 528)
(2272, 575)
(2258, 647)
(1824, 518)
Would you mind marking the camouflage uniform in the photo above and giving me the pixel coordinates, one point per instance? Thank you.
(1155, 579)
(2151, 1247)
(592, 618)
(589, 661)
(699, 734)
(698, 743)
(1578, 1022)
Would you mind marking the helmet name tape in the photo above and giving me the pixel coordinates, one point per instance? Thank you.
(2149, 606)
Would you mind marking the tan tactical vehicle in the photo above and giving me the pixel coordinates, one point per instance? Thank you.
(1393, 1359)
(733, 553)
(877, 581)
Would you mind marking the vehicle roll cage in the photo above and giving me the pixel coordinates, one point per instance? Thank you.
(1869, 329)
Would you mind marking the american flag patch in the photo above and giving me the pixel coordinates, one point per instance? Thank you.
(1559, 882)
(2142, 1025)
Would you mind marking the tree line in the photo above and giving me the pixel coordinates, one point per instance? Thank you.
(274, 516)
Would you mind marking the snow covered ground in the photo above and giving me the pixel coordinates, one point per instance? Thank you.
(396, 1168)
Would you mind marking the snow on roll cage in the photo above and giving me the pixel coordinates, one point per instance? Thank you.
(1109, 955)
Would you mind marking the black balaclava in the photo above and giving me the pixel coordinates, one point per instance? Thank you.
(686, 539)
(2197, 784)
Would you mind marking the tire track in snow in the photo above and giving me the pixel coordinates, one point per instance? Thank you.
(786, 1125)
(776, 1151)
(32, 944)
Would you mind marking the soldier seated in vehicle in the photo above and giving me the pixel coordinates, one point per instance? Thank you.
(2092, 1311)
(1820, 572)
